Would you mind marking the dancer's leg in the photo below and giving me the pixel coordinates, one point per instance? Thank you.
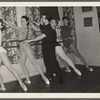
(1, 81)
(6, 61)
(66, 64)
(62, 54)
(2, 84)
(73, 47)
(32, 59)
(23, 59)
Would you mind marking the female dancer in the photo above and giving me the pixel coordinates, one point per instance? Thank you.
(25, 50)
(69, 43)
(54, 24)
(58, 48)
(5, 60)
(48, 48)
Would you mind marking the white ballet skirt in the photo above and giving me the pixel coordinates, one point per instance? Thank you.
(1, 48)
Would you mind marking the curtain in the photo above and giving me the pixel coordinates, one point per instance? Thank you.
(68, 11)
(34, 15)
(9, 14)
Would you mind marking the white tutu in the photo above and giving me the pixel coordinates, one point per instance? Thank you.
(2, 49)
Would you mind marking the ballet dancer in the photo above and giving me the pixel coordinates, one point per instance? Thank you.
(25, 50)
(69, 43)
(5, 60)
(54, 24)
(59, 50)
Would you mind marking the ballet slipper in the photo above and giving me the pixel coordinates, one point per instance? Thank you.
(47, 81)
(90, 68)
(67, 70)
(54, 74)
(23, 86)
(78, 72)
(28, 82)
(2, 88)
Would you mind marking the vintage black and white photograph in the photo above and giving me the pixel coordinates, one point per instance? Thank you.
(49, 49)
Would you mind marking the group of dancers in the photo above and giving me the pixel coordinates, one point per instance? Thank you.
(50, 48)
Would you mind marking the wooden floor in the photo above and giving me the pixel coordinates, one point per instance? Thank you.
(89, 82)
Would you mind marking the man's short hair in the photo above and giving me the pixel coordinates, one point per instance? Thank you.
(48, 16)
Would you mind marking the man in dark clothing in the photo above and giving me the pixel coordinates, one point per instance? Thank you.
(48, 48)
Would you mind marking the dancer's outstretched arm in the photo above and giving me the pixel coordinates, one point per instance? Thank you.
(14, 26)
(37, 38)
(34, 27)
(62, 54)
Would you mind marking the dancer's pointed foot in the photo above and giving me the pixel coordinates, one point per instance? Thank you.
(90, 68)
(54, 74)
(23, 86)
(67, 70)
(78, 72)
(47, 81)
(2, 88)
(28, 82)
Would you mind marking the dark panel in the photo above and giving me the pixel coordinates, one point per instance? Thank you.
(51, 10)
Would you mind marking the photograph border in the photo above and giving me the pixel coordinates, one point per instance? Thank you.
(60, 96)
